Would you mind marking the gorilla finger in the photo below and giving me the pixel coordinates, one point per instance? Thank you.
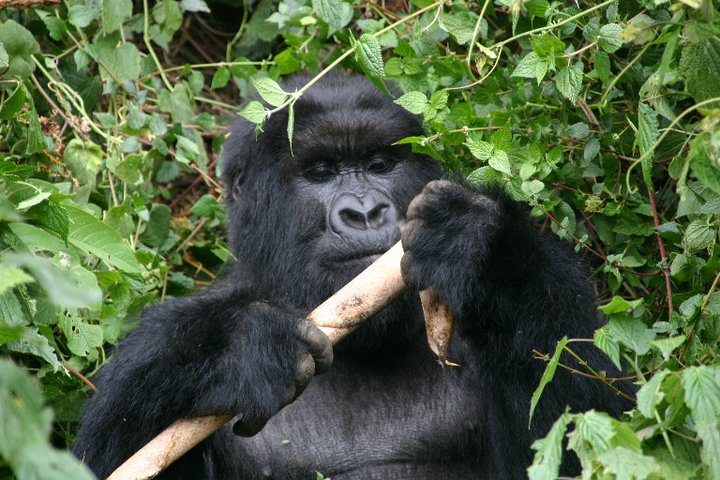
(416, 207)
(410, 272)
(249, 427)
(409, 234)
(304, 372)
(313, 338)
(324, 360)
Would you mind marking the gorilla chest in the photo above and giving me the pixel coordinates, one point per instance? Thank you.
(411, 420)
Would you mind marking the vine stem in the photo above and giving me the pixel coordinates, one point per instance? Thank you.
(151, 50)
(663, 255)
(475, 32)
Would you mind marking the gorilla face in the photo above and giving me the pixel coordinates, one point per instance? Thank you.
(306, 220)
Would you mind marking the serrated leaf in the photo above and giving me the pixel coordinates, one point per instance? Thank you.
(619, 304)
(698, 235)
(120, 61)
(19, 46)
(631, 332)
(702, 392)
(270, 91)
(335, 13)
(114, 13)
(195, 6)
(569, 82)
(369, 56)
(221, 78)
(531, 66)
(627, 464)
(81, 336)
(699, 64)
(650, 394)
(605, 342)
(546, 464)
(710, 436)
(83, 158)
(647, 134)
(460, 25)
(609, 37)
(480, 150)
(547, 46)
(592, 148)
(668, 345)
(413, 102)
(547, 376)
(500, 162)
(254, 112)
(601, 62)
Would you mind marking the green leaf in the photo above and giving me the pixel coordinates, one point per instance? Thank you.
(460, 25)
(119, 60)
(254, 112)
(4, 57)
(369, 56)
(83, 158)
(81, 336)
(90, 234)
(221, 78)
(619, 304)
(698, 235)
(413, 102)
(605, 342)
(651, 394)
(592, 148)
(609, 37)
(500, 162)
(710, 436)
(702, 392)
(81, 15)
(647, 134)
(668, 345)
(335, 13)
(631, 332)
(699, 64)
(546, 464)
(547, 46)
(601, 62)
(547, 377)
(480, 150)
(627, 464)
(12, 276)
(114, 13)
(569, 82)
(66, 285)
(531, 66)
(270, 91)
(158, 227)
(19, 45)
(31, 342)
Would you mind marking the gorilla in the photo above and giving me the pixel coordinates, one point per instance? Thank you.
(305, 220)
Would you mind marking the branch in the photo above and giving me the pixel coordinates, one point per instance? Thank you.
(25, 3)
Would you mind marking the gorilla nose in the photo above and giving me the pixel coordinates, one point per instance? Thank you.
(372, 212)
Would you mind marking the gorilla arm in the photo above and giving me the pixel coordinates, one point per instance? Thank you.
(512, 289)
(215, 353)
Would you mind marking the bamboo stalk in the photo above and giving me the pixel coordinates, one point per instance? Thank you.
(365, 295)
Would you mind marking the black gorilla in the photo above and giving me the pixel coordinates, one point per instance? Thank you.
(301, 226)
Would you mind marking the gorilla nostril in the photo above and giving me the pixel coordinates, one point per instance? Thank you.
(353, 218)
(376, 216)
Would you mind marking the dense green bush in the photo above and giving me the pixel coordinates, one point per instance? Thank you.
(603, 116)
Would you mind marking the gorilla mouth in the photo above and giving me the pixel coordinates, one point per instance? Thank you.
(357, 256)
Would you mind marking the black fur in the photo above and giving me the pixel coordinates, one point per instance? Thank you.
(385, 409)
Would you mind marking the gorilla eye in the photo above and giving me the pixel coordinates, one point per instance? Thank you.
(321, 172)
(380, 165)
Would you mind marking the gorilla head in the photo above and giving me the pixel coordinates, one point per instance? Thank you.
(305, 220)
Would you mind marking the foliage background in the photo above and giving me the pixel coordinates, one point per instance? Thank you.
(603, 116)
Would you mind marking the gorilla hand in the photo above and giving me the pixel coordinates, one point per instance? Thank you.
(449, 231)
(292, 352)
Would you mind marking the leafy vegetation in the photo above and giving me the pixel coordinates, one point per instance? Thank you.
(602, 116)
